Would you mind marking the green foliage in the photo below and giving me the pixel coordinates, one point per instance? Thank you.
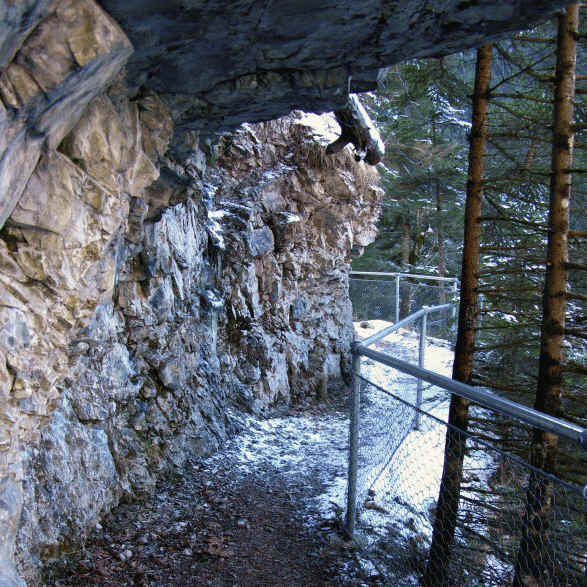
(422, 113)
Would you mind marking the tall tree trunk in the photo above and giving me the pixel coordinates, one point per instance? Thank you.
(448, 499)
(406, 290)
(441, 262)
(533, 556)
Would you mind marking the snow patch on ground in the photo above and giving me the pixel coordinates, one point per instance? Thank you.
(400, 466)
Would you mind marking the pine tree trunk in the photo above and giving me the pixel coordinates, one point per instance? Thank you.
(406, 290)
(441, 262)
(438, 566)
(533, 557)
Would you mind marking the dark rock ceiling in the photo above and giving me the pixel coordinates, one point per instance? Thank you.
(221, 62)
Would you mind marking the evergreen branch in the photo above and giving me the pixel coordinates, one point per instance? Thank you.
(534, 225)
(505, 345)
(577, 333)
(507, 178)
(516, 114)
(573, 367)
(518, 197)
(505, 135)
(498, 291)
(487, 382)
(576, 266)
(517, 257)
(507, 249)
(492, 272)
(527, 39)
(523, 97)
(509, 326)
(526, 69)
(576, 296)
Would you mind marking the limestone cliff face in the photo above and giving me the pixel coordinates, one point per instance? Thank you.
(145, 293)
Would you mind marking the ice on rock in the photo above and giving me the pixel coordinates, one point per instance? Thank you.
(289, 218)
(215, 232)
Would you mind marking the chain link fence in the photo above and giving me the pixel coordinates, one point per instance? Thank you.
(398, 295)
(399, 474)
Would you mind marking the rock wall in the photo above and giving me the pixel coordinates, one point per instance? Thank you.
(221, 63)
(146, 293)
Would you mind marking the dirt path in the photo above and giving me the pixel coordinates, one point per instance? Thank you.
(254, 514)
(266, 510)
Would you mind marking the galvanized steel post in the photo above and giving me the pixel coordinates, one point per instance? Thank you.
(421, 353)
(351, 509)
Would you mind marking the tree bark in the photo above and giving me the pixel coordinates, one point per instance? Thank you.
(406, 290)
(533, 558)
(438, 566)
(441, 262)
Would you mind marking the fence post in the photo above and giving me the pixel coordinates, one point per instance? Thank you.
(351, 508)
(421, 352)
(397, 278)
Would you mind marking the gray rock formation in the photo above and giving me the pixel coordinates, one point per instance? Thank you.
(221, 63)
(148, 295)
(153, 279)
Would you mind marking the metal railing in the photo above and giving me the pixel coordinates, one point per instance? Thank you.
(492, 519)
(398, 276)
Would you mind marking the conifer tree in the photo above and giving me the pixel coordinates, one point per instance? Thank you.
(437, 569)
(533, 562)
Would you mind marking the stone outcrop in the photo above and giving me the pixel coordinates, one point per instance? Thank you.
(153, 277)
(144, 296)
(61, 65)
(221, 63)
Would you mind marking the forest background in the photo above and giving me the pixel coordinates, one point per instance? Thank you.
(522, 257)
(423, 111)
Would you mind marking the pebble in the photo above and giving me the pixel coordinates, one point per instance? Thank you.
(143, 540)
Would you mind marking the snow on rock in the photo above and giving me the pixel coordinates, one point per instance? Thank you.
(324, 126)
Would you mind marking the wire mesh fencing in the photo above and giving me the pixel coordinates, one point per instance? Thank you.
(397, 296)
(504, 521)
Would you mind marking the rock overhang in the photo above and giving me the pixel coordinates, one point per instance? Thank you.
(220, 63)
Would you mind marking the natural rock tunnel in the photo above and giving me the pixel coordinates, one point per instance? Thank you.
(153, 275)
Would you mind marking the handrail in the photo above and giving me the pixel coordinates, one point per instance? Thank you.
(562, 428)
(407, 320)
(411, 275)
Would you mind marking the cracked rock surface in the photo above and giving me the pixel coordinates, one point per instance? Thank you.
(221, 63)
(152, 274)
